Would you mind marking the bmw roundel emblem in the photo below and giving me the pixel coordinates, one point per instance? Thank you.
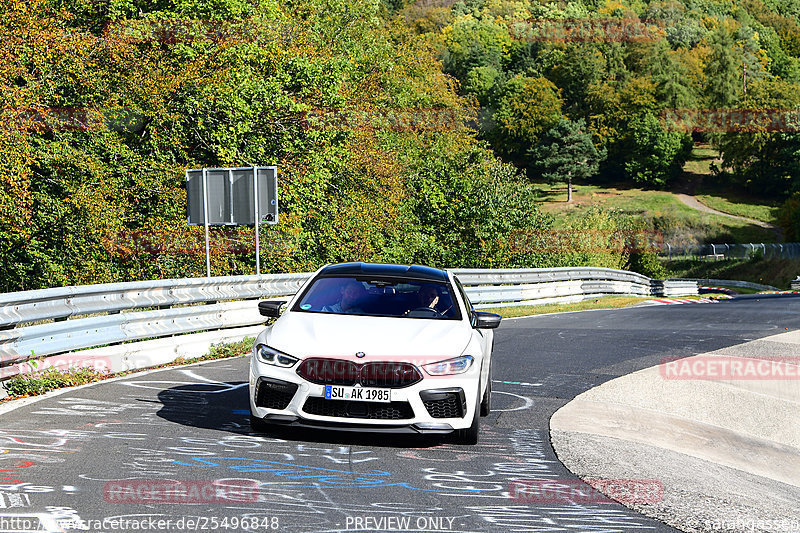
(360, 354)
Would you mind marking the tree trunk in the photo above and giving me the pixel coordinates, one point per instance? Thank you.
(569, 190)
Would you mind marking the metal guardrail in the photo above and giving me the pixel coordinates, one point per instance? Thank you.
(65, 302)
(488, 288)
(148, 323)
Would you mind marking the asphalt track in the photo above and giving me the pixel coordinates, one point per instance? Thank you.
(84, 460)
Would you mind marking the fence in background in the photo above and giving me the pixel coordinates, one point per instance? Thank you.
(123, 326)
(712, 252)
(729, 283)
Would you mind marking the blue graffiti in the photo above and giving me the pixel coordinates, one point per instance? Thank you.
(325, 476)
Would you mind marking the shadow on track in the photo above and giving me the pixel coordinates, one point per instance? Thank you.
(226, 407)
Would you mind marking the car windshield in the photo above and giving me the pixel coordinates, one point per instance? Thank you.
(401, 298)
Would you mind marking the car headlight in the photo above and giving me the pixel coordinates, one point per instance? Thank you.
(271, 356)
(459, 365)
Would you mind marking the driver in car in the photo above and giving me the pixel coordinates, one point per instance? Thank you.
(351, 296)
(427, 297)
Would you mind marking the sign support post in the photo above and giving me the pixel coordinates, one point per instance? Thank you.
(205, 221)
(255, 220)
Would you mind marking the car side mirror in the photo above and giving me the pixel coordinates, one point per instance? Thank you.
(484, 320)
(270, 308)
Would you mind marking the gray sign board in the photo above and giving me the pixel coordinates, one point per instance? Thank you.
(230, 196)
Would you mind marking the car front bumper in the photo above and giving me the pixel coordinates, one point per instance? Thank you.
(434, 405)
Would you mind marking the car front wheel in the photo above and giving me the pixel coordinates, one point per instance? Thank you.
(486, 404)
(470, 434)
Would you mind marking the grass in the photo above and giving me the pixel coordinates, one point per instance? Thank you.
(678, 223)
(604, 302)
(664, 212)
(738, 203)
(726, 198)
(776, 272)
(44, 381)
(699, 162)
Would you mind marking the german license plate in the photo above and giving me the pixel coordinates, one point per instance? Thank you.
(362, 394)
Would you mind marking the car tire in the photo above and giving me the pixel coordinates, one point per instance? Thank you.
(486, 403)
(258, 424)
(470, 435)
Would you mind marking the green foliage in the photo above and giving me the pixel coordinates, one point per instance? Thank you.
(657, 155)
(789, 218)
(696, 55)
(353, 108)
(472, 43)
(527, 108)
(173, 84)
(464, 210)
(647, 264)
(763, 161)
(51, 379)
(599, 237)
(565, 153)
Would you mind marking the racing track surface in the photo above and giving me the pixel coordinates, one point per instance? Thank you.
(63, 458)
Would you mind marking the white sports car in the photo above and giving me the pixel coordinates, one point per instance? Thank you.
(371, 347)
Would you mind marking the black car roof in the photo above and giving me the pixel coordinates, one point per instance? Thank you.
(417, 272)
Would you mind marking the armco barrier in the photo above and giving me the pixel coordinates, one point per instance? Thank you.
(669, 288)
(148, 323)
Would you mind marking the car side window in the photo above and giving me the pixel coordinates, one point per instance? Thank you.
(467, 303)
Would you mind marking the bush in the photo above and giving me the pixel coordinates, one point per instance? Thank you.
(647, 264)
(789, 218)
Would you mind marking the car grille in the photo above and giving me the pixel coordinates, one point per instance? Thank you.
(393, 375)
(449, 407)
(346, 409)
(274, 394)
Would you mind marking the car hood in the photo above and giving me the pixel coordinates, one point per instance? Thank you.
(379, 338)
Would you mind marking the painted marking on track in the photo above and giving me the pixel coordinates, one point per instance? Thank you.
(517, 383)
(528, 402)
(673, 301)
